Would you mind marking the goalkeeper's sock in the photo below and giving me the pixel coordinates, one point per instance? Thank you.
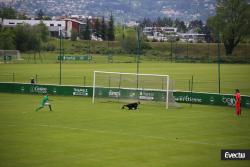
(50, 108)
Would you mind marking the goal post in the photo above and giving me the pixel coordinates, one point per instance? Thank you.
(132, 86)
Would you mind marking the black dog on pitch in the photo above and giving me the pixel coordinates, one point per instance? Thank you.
(131, 106)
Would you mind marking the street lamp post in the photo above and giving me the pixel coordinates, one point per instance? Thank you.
(171, 53)
(138, 59)
(218, 61)
(60, 75)
(138, 50)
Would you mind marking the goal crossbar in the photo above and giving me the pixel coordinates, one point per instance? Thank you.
(124, 73)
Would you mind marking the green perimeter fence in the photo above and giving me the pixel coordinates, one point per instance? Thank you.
(151, 95)
(182, 83)
(115, 52)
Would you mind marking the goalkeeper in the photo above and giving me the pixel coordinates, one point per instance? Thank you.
(237, 102)
(44, 102)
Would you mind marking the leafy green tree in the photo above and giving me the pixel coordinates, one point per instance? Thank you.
(28, 37)
(129, 43)
(159, 22)
(34, 40)
(119, 32)
(180, 25)
(40, 14)
(168, 21)
(22, 16)
(8, 13)
(42, 31)
(97, 28)
(86, 32)
(146, 22)
(103, 29)
(196, 25)
(111, 29)
(231, 22)
(22, 35)
(40, 35)
(73, 35)
(47, 18)
(7, 41)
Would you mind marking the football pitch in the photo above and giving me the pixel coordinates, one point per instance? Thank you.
(205, 75)
(79, 133)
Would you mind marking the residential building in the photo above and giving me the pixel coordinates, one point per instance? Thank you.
(160, 33)
(53, 26)
(73, 25)
(192, 37)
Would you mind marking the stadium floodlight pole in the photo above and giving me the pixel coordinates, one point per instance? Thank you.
(171, 53)
(218, 60)
(123, 29)
(13, 77)
(138, 50)
(137, 60)
(191, 91)
(208, 48)
(108, 52)
(90, 37)
(60, 75)
(167, 92)
(93, 97)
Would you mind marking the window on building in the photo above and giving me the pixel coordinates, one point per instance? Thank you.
(51, 25)
(59, 25)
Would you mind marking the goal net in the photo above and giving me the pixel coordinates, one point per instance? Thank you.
(10, 54)
(131, 87)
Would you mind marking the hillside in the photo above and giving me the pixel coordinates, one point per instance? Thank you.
(122, 9)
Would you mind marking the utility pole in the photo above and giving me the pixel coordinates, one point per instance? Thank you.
(60, 77)
(218, 61)
(138, 59)
(138, 49)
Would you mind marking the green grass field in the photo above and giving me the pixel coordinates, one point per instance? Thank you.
(78, 133)
(205, 75)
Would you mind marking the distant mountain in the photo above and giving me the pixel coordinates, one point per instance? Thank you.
(123, 10)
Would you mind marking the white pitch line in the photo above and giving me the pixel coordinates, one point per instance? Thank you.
(43, 125)
(127, 134)
(12, 125)
(235, 144)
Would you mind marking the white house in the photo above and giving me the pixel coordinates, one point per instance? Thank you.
(53, 25)
(132, 24)
(72, 24)
(192, 37)
(159, 33)
(169, 30)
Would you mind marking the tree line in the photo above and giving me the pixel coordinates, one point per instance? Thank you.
(195, 25)
(98, 28)
(10, 13)
(24, 37)
(230, 25)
